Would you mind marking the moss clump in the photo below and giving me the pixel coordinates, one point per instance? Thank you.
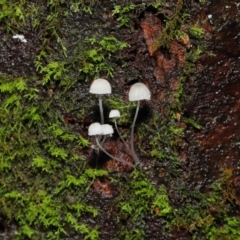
(46, 181)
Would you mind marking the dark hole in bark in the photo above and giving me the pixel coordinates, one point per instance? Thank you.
(3, 227)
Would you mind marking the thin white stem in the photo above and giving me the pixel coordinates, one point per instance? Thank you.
(115, 122)
(135, 158)
(101, 138)
(117, 159)
(101, 108)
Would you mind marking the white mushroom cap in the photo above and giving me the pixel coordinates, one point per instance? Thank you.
(100, 86)
(114, 113)
(139, 91)
(107, 129)
(95, 129)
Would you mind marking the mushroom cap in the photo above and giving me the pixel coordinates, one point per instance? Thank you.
(114, 113)
(139, 91)
(95, 129)
(100, 86)
(107, 129)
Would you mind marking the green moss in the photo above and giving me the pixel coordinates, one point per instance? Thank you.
(36, 145)
(125, 108)
(41, 161)
(138, 199)
(173, 25)
(44, 177)
(122, 12)
(192, 122)
(208, 215)
(13, 15)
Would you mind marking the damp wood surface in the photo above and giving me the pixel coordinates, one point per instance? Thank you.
(54, 181)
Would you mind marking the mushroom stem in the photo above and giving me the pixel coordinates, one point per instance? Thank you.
(115, 122)
(135, 158)
(117, 159)
(101, 138)
(101, 108)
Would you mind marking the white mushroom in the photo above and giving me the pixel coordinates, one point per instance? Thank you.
(138, 91)
(100, 86)
(107, 129)
(95, 129)
(114, 113)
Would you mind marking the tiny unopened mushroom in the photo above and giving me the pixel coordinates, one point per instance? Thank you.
(138, 91)
(100, 87)
(114, 113)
